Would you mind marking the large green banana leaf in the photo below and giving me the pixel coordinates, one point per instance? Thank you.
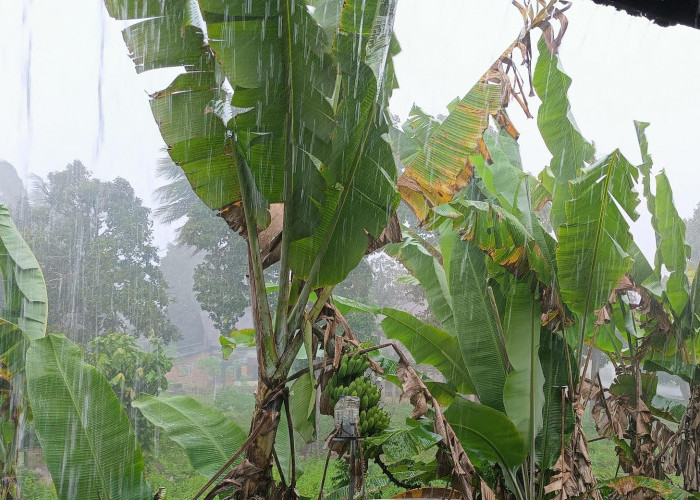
(207, 436)
(570, 151)
(475, 324)
(89, 445)
(523, 396)
(428, 270)
(428, 344)
(294, 93)
(26, 303)
(593, 243)
(487, 432)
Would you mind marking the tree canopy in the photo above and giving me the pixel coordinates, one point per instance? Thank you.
(94, 240)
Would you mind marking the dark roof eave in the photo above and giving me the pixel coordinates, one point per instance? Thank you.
(663, 13)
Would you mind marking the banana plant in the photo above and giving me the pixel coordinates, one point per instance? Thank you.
(491, 344)
(279, 122)
(22, 319)
(590, 201)
(89, 445)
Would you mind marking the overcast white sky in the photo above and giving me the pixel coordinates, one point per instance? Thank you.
(69, 91)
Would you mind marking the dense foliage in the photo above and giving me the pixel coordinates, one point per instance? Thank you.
(94, 240)
(524, 277)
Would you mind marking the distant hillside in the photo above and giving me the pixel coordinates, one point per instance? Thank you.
(11, 187)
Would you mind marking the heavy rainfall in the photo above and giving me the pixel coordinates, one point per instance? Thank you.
(335, 249)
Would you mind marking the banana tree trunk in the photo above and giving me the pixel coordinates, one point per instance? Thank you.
(257, 482)
(252, 478)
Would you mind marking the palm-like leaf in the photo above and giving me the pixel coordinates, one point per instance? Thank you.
(89, 445)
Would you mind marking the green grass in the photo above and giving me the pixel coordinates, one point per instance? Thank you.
(602, 453)
(172, 470)
(33, 487)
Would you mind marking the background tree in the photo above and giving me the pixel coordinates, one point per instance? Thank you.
(94, 241)
(131, 371)
(219, 276)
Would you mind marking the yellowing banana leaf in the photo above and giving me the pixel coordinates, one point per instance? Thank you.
(444, 163)
(628, 485)
(500, 234)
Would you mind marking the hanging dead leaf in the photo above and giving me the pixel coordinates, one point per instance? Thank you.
(412, 389)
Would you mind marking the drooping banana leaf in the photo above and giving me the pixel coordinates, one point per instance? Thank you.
(297, 95)
(487, 432)
(208, 437)
(570, 151)
(499, 233)
(26, 303)
(430, 345)
(475, 324)
(89, 445)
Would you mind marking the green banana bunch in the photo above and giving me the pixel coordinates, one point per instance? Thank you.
(349, 380)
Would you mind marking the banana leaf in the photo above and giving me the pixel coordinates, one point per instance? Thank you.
(89, 445)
